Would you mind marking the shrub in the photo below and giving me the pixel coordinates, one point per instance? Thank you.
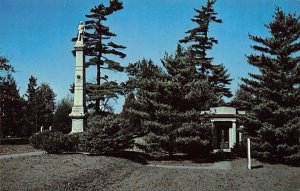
(239, 150)
(293, 160)
(62, 121)
(197, 148)
(55, 142)
(106, 135)
(36, 140)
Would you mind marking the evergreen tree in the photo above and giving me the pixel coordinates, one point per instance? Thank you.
(274, 119)
(133, 119)
(39, 107)
(45, 105)
(169, 105)
(192, 95)
(242, 100)
(99, 50)
(8, 96)
(31, 110)
(200, 43)
(148, 89)
(11, 107)
(135, 109)
(62, 121)
(5, 66)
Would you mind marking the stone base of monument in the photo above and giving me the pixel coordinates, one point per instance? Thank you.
(78, 122)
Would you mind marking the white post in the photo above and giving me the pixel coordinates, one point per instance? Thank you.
(249, 153)
(240, 133)
(230, 144)
(233, 133)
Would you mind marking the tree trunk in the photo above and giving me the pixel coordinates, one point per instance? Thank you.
(0, 121)
(97, 106)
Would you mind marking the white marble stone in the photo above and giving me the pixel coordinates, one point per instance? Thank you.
(226, 115)
(233, 140)
(249, 153)
(78, 114)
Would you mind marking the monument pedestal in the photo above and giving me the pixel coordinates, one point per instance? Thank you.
(78, 123)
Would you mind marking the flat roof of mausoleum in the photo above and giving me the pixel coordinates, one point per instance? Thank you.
(223, 111)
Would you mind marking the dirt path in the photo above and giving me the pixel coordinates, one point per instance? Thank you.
(81, 172)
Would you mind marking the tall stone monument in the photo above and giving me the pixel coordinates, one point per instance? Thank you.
(78, 114)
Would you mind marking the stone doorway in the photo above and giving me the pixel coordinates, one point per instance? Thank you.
(222, 135)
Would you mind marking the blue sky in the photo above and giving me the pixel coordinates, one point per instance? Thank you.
(35, 34)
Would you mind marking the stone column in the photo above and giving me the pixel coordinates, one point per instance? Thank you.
(233, 133)
(230, 138)
(78, 114)
(214, 135)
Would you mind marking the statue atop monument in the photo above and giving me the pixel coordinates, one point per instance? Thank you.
(81, 29)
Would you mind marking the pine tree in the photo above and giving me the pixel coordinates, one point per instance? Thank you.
(169, 105)
(5, 66)
(274, 119)
(40, 106)
(11, 112)
(62, 121)
(150, 90)
(242, 100)
(157, 95)
(193, 132)
(99, 50)
(133, 119)
(31, 110)
(45, 105)
(200, 43)
(11, 107)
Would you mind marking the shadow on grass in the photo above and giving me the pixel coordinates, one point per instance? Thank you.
(145, 158)
(257, 166)
(134, 156)
(210, 158)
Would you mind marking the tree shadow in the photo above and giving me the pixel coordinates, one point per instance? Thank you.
(145, 158)
(209, 158)
(257, 166)
(134, 156)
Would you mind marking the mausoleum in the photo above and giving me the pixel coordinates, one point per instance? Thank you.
(224, 127)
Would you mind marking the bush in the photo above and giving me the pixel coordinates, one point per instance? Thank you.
(239, 150)
(293, 160)
(62, 121)
(55, 142)
(106, 135)
(197, 148)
